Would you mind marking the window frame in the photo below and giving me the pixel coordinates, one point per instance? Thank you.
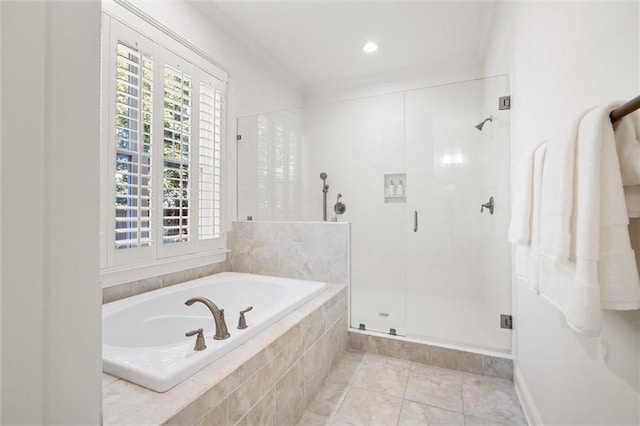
(128, 264)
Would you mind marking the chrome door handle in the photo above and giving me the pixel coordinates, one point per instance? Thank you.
(415, 221)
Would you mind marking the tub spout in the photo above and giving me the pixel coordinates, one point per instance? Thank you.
(218, 316)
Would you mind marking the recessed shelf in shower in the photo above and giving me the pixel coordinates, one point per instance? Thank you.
(395, 188)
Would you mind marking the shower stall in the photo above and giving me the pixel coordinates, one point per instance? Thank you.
(426, 176)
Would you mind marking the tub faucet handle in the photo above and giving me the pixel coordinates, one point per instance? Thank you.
(200, 345)
(242, 322)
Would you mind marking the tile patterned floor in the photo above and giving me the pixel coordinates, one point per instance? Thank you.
(367, 390)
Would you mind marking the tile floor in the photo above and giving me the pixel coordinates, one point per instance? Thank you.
(366, 389)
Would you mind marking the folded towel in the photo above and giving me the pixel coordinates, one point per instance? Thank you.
(628, 148)
(538, 182)
(627, 136)
(632, 200)
(557, 194)
(525, 221)
(521, 207)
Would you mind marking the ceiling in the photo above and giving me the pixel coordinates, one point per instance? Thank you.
(319, 43)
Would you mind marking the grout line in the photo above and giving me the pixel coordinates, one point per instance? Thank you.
(462, 395)
(347, 389)
(404, 393)
(400, 412)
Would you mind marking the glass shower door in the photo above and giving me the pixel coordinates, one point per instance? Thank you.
(458, 258)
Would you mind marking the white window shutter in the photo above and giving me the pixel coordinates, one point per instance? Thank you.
(210, 161)
(133, 142)
(178, 94)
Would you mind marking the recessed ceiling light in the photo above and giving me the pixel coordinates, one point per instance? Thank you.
(370, 47)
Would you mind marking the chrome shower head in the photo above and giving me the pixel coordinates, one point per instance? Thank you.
(479, 126)
(323, 176)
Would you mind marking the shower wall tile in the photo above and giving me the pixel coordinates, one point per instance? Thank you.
(241, 249)
(327, 231)
(264, 257)
(263, 231)
(242, 230)
(291, 261)
(292, 231)
(301, 250)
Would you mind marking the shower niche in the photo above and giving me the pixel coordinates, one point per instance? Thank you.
(395, 188)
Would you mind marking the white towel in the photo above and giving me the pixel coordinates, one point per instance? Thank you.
(628, 148)
(521, 207)
(534, 254)
(525, 221)
(601, 270)
(557, 193)
(632, 200)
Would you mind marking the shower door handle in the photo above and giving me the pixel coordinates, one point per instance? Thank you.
(415, 221)
(488, 205)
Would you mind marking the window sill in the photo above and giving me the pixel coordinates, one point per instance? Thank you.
(120, 275)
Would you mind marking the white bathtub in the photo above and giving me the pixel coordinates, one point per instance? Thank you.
(143, 337)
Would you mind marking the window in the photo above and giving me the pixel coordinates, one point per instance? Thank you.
(133, 135)
(164, 119)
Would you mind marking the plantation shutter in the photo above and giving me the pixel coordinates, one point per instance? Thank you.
(134, 112)
(178, 93)
(163, 119)
(210, 161)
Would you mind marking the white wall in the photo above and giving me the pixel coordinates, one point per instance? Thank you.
(50, 293)
(562, 58)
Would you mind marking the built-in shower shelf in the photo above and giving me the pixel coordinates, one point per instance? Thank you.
(394, 183)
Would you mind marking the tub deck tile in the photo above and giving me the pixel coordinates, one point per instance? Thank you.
(127, 403)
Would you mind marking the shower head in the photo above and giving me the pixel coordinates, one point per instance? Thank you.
(479, 126)
(323, 175)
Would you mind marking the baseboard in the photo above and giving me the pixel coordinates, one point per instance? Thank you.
(526, 399)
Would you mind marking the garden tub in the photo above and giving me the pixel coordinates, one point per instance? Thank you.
(143, 336)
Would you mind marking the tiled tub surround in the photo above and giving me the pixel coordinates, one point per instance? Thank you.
(267, 380)
(317, 251)
(469, 362)
(366, 389)
(121, 291)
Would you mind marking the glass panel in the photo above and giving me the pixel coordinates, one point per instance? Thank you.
(356, 143)
(272, 158)
(458, 263)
